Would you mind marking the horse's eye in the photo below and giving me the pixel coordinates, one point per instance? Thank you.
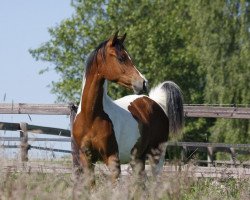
(122, 58)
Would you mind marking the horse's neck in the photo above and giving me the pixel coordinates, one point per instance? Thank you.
(108, 102)
(92, 95)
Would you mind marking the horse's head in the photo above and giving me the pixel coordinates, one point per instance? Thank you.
(117, 66)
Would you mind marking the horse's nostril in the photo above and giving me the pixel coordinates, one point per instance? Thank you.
(145, 86)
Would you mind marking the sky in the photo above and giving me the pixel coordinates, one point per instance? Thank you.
(23, 26)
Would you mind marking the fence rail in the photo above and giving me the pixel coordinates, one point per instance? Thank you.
(66, 109)
(37, 109)
(217, 112)
(17, 139)
(35, 129)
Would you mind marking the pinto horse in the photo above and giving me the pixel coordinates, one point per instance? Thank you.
(93, 131)
(137, 125)
(146, 131)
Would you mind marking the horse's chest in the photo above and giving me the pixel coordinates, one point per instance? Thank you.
(86, 129)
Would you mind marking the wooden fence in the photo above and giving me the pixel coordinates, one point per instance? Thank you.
(24, 129)
(70, 109)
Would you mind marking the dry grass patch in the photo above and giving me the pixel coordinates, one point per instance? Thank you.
(39, 186)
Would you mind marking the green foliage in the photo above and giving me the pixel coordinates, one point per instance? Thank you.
(203, 46)
(222, 45)
(161, 54)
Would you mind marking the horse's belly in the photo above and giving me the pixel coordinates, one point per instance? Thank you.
(127, 134)
(126, 147)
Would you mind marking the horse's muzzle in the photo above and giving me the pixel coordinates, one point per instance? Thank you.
(140, 87)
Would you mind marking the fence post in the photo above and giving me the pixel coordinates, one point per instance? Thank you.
(233, 156)
(24, 142)
(74, 149)
(210, 156)
(184, 154)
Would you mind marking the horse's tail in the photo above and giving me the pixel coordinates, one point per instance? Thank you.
(169, 96)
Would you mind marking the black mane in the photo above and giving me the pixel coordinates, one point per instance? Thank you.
(93, 56)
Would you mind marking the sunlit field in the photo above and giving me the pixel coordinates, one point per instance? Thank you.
(57, 185)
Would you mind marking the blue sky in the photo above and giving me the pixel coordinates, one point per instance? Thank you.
(24, 25)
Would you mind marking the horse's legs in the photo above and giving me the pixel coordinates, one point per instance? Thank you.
(138, 166)
(137, 162)
(113, 164)
(77, 170)
(110, 155)
(87, 164)
(157, 158)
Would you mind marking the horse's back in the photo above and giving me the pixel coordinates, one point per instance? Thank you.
(124, 102)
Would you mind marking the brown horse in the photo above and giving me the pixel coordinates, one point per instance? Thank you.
(93, 131)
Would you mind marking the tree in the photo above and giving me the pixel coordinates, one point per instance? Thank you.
(223, 48)
(160, 54)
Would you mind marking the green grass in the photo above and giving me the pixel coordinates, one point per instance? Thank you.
(39, 186)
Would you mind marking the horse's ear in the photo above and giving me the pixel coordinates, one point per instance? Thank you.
(115, 38)
(123, 37)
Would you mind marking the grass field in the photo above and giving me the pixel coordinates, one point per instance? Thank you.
(39, 185)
